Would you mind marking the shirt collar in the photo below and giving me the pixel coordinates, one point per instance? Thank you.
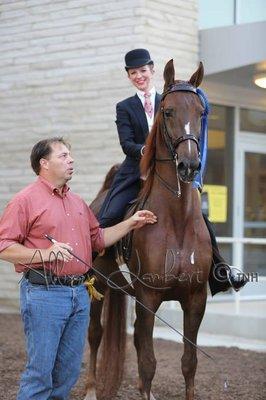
(52, 188)
(140, 93)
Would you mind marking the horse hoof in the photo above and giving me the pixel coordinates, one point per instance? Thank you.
(146, 397)
(90, 395)
(152, 397)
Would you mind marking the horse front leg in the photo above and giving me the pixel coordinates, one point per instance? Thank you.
(94, 337)
(193, 314)
(143, 342)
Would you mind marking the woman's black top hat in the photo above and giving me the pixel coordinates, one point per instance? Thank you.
(137, 58)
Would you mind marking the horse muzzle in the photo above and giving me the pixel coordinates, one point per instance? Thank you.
(187, 170)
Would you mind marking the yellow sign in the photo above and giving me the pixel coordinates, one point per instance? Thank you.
(217, 199)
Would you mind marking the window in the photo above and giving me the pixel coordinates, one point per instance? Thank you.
(251, 11)
(213, 14)
(253, 120)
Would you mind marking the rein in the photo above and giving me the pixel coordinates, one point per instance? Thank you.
(172, 143)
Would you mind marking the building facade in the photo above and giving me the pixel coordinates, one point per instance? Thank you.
(62, 73)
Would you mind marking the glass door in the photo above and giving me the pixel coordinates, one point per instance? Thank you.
(255, 211)
(250, 221)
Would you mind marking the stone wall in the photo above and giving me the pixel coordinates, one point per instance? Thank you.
(62, 73)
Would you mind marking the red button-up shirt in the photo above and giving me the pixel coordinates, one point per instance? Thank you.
(39, 209)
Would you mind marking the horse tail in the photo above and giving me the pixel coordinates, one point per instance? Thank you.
(113, 348)
(109, 178)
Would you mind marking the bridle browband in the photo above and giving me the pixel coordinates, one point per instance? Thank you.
(171, 142)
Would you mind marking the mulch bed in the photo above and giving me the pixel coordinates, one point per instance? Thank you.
(244, 369)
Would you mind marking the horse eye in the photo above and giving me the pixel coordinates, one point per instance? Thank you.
(168, 113)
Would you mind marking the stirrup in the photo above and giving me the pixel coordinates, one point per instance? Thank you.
(236, 278)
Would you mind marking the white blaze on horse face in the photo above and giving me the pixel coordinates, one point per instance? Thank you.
(187, 130)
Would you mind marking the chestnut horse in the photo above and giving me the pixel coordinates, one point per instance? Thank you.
(171, 259)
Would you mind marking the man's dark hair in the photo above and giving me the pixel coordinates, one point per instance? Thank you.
(43, 149)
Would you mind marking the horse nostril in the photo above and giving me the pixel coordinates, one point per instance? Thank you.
(188, 168)
(194, 165)
(182, 166)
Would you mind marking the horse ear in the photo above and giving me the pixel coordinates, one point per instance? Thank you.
(169, 74)
(197, 77)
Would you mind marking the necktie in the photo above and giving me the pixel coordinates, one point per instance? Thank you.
(148, 105)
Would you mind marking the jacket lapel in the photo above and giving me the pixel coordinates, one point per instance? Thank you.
(140, 113)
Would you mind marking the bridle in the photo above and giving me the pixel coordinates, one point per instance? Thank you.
(173, 143)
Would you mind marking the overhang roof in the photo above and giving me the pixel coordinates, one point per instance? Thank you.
(232, 55)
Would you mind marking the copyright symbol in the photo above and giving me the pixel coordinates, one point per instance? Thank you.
(220, 272)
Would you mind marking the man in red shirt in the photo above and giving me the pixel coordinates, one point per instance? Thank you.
(55, 316)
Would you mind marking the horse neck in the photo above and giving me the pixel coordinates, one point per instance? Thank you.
(163, 200)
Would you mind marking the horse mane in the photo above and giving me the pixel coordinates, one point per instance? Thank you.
(96, 204)
(147, 163)
(109, 178)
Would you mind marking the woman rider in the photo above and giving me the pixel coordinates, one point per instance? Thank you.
(134, 119)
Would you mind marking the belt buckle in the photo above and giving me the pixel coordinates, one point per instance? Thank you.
(74, 281)
(71, 281)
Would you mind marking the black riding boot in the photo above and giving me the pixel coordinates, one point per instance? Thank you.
(222, 277)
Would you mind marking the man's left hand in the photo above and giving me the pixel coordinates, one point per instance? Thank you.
(114, 233)
(141, 218)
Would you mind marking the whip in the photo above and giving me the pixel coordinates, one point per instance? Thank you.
(108, 280)
(52, 240)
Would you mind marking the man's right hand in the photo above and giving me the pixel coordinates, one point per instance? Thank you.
(19, 254)
(58, 251)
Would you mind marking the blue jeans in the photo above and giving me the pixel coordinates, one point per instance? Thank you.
(55, 322)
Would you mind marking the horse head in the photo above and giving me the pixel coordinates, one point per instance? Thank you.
(181, 110)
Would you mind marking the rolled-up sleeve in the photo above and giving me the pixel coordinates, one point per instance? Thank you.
(13, 224)
(96, 233)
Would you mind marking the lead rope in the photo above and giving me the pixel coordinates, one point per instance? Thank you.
(94, 294)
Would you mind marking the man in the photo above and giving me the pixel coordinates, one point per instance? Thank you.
(54, 302)
(134, 119)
